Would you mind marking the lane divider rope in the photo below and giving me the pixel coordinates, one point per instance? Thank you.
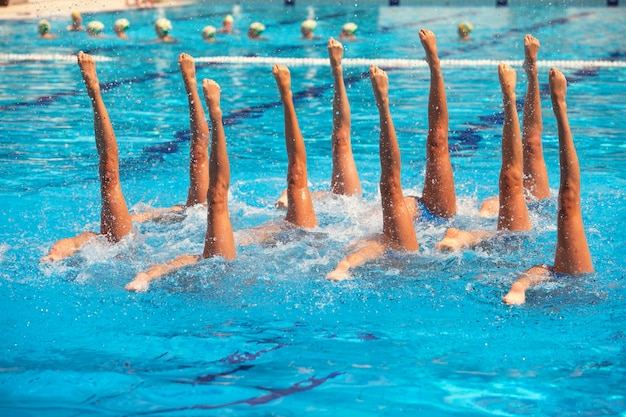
(364, 62)
(46, 57)
(402, 63)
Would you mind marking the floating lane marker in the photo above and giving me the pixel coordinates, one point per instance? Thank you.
(308, 62)
(401, 63)
(46, 57)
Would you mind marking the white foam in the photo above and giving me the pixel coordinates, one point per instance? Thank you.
(3, 249)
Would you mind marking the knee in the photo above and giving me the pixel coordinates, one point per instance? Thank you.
(437, 138)
(511, 178)
(296, 175)
(199, 153)
(569, 197)
(109, 175)
(390, 186)
(341, 139)
(218, 195)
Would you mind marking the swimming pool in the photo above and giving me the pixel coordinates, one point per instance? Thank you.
(423, 334)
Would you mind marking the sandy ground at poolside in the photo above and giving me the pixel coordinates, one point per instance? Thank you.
(45, 9)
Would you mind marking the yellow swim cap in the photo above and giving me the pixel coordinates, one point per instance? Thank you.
(121, 25)
(350, 28)
(95, 27)
(309, 25)
(466, 27)
(257, 27)
(43, 27)
(163, 26)
(208, 32)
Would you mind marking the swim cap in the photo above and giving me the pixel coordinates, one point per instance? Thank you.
(208, 32)
(350, 28)
(163, 26)
(309, 25)
(43, 27)
(228, 18)
(75, 14)
(466, 27)
(257, 27)
(95, 28)
(121, 25)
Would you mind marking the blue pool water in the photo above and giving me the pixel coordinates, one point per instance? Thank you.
(420, 334)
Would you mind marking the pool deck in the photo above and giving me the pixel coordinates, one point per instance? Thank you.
(45, 9)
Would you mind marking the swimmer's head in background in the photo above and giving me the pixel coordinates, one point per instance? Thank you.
(208, 32)
(76, 15)
(349, 28)
(308, 25)
(121, 25)
(228, 19)
(465, 28)
(95, 28)
(256, 28)
(43, 27)
(162, 27)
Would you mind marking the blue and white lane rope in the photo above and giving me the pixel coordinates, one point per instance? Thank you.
(401, 63)
(362, 62)
(46, 57)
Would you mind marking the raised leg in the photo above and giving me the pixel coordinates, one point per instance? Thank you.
(535, 172)
(513, 213)
(115, 220)
(438, 194)
(572, 251)
(198, 149)
(300, 210)
(398, 230)
(345, 177)
(219, 240)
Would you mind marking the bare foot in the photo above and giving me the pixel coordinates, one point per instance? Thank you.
(335, 53)
(88, 70)
(282, 201)
(508, 78)
(67, 247)
(429, 42)
(516, 295)
(456, 239)
(490, 207)
(139, 284)
(340, 273)
(453, 240)
(558, 88)
(283, 78)
(60, 250)
(534, 276)
(380, 84)
(211, 91)
(188, 70)
(531, 48)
